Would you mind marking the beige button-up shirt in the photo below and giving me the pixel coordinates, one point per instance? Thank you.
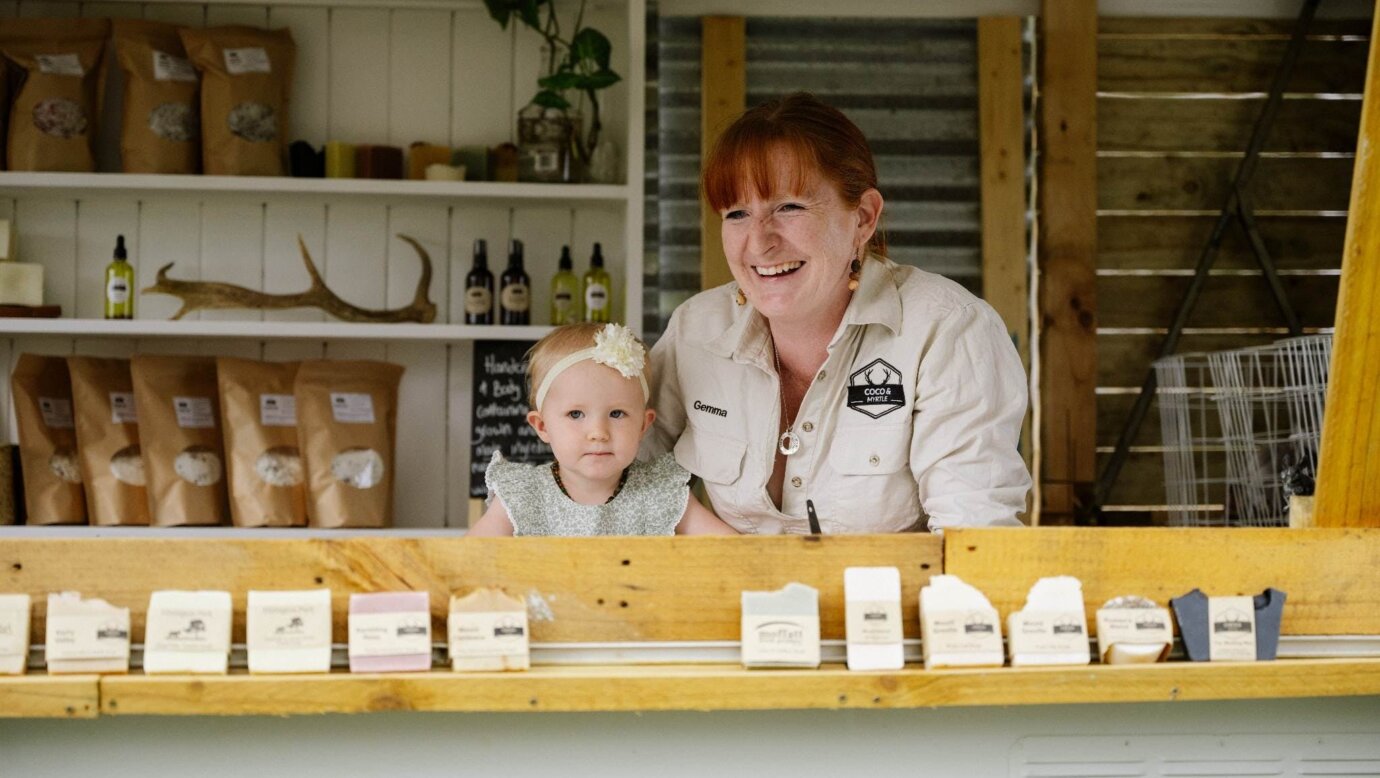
(916, 412)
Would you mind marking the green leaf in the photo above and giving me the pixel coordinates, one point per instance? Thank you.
(499, 10)
(559, 82)
(548, 99)
(601, 80)
(528, 11)
(591, 44)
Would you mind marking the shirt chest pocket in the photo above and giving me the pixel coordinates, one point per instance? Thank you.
(716, 458)
(870, 451)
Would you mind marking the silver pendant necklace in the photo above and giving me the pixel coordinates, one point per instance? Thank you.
(789, 442)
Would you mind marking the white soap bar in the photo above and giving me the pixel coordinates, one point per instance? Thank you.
(14, 633)
(9, 245)
(488, 631)
(289, 632)
(86, 636)
(187, 632)
(872, 600)
(781, 628)
(21, 283)
(958, 625)
(1052, 629)
(1133, 630)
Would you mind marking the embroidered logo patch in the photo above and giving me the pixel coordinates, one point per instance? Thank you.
(876, 389)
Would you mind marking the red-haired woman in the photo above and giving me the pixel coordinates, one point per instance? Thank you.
(829, 389)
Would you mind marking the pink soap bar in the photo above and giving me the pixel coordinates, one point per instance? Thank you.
(417, 603)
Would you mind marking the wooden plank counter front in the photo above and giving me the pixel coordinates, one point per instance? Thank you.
(41, 696)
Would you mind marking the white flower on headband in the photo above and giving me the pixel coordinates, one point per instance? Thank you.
(617, 347)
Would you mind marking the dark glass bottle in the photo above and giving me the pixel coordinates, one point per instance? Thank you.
(479, 288)
(515, 290)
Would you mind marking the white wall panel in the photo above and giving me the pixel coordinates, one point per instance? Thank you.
(482, 111)
(419, 76)
(44, 9)
(489, 222)
(169, 231)
(248, 15)
(232, 251)
(357, 252)
(99, 222)
(284, 270)
(542, 230)
(185, 14)
(430, 226)
(308, 108)
(419, 494)
(458, 404)
(293, 350)
(48, 235)
(359, 98)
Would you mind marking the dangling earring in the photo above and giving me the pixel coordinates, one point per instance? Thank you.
(854, 272)
(740, 298)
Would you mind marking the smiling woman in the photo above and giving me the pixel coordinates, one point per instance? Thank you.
(828, 389)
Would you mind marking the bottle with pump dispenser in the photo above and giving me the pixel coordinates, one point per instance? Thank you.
(119, 284)
(598, 288)
(479, 288)
(515, 290)
(565, 292)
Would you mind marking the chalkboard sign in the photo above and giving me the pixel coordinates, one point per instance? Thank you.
(499, 410)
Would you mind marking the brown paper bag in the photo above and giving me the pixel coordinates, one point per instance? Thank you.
(161, 127)
(47, 441)
(246, 77)
(258, 412)
(54, 113)
(179, 432)
(347, 417)
(112, 466)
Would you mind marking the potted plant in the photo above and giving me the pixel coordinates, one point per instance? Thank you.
(555, 144)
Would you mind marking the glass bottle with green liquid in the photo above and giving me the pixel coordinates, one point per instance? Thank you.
(565, 292)
(119, 284)
(598, 288)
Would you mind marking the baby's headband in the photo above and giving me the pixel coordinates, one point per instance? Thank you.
(615, 346)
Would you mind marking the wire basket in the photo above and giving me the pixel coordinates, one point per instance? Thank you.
(1236, 425)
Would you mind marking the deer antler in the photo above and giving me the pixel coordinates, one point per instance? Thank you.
(201, 295)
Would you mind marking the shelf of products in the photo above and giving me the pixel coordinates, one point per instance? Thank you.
(268, 330)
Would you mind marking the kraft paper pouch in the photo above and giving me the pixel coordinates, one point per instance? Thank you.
(47, 441)
(161, 127)
(57, 69)
(108, 441)
(246, 76)
(179, 431)
(347, 414)
(258, 413)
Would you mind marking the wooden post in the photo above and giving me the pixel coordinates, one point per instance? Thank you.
(1066, 458)
(1001, 122)
(723, 96)
(1349, 471)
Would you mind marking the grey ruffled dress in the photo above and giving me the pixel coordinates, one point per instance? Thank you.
(652, 501)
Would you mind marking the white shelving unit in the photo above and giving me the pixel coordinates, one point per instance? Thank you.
(368, 71)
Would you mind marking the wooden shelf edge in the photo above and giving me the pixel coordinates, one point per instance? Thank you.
(268, 330)
(43, 696)
(722, 687)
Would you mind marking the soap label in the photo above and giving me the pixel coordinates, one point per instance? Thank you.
(167, 67)
(352, 407)
(187, 630)
(278, 410)
(1048, 632)
(874, 622)
(248, 60)
(1133, 625)
(475, 634)
(281, 626)
(88, 636)
(1231, 629)
(478, 301)
(59, 64)
(13, 623)
(194, 412)
(546, 161)
(961, 632)
(515, 297)
(122, 410)
(778, 639)
(596, 297)
(390, 634)
(117, 290)
(56, 411)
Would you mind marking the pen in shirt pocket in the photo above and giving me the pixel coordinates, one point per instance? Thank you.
(814, 517)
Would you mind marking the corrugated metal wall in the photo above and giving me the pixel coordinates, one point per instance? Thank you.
(910, 84)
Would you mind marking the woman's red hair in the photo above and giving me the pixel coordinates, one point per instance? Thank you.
(818, 136)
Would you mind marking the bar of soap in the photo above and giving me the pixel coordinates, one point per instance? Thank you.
(873, 607)
(14, 633)
(187, 632)
(421, 156)
(390, 632)
(488, 631)
(475, 161)
(9, 245)
(781, 628)
(1052, 629)
(1133, 630)
(289, 632)
(378, 162)
(340, 160)
(958, 625)
(21, 283)
(86, 636)
(439, 172)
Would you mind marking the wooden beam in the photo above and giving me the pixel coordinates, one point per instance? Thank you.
(42, 696)
(1067, 320)
(723, 97)
(1001, 123)
(1348, 493)
(1163, 563)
